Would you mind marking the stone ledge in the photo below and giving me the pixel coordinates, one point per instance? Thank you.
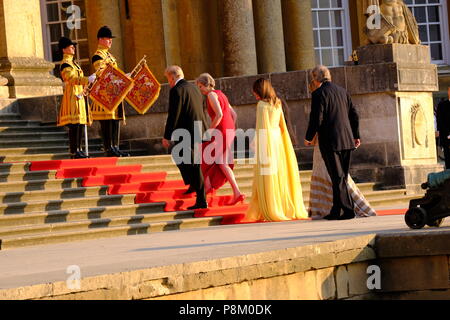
(330, 270)
(175, 279)
(413, 244)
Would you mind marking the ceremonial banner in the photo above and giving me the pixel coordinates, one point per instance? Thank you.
(145, 90)
(111, 88)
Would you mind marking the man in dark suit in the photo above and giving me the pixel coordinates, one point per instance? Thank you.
(443, 127)
(186, 120)
(334, 118)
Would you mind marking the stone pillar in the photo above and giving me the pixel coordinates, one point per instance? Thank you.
(23, 70)
(269, 36)
(239, 38)
(147, 36)
(171, 32)
(105, 13)
(298, 35)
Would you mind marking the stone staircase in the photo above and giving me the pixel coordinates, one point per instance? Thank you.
(36, 207)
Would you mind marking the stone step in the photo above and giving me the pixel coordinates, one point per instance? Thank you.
(35, 129)
(54, 194)
(394, 201)
(9, 116)
(27, 176)
(61, 216)
(32, 136)
(56, 143)
(14, 167)
(19, 123)
(42, 184)
(58, 156)
(63, 204)
(57, 149)
(106, 232)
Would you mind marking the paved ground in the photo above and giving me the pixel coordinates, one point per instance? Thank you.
(46, 264)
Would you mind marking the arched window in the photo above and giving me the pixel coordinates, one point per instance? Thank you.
(331, 25)
(58, 22)
(431, 15)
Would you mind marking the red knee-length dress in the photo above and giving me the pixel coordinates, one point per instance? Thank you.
(219, 149)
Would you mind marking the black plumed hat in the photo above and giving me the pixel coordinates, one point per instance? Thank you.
(105, 32)
(65, 42)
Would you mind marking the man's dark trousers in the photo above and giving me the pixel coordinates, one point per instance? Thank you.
(338, 165)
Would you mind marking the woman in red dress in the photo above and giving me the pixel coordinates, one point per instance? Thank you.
(218, 160)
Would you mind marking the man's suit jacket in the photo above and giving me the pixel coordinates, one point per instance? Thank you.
(185, 107)
(443, 119)
(334, 117)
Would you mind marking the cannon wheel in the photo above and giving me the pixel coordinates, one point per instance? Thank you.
(436, 223)
(416, 218)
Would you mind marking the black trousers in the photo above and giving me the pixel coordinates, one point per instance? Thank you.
(445, 144)
(338, 166)
(110, 133)
(75, 136)
(191, 173)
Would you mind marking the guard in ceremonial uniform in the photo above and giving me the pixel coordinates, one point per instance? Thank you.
(109, 121)
(73, 112)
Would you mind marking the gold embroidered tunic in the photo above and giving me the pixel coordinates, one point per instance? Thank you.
(73, 110)
(100, 60)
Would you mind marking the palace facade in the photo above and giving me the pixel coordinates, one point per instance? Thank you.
(223, 37)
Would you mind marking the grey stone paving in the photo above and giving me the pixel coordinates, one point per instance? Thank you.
(47, 264)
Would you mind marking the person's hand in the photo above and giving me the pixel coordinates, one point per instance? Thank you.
(92, 78)
(166, 143)
(357, 143)
(308, 143)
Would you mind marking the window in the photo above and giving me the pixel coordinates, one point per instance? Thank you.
(331, 25)
(432, 20)
(54, 20)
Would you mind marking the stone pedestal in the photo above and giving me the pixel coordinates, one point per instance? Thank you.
(23, 70)
(408, 78)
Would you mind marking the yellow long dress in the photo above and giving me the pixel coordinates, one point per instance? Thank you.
(277, 192)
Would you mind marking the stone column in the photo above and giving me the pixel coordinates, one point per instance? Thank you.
(269, 36)
(147, 36)
(171, 32)
(23, 70)
(105, 13)
(298, 35)
(239, 38)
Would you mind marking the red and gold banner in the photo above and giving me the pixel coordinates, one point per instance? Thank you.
(145, 90)
(111, 88)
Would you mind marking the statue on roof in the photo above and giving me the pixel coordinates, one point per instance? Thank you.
(390, 22)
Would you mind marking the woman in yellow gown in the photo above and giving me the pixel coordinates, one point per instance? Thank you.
(277, 192)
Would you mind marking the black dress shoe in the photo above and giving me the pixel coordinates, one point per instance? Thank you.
(199, 206)
(79, 155)
(332, 216)
(82, 154)
(347, 216)
(121, 154)
(189, 191)
(112, 153)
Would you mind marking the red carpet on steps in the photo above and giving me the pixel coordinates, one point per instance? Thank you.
(148, 187)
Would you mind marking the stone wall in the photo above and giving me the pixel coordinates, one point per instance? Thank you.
(413, 265)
